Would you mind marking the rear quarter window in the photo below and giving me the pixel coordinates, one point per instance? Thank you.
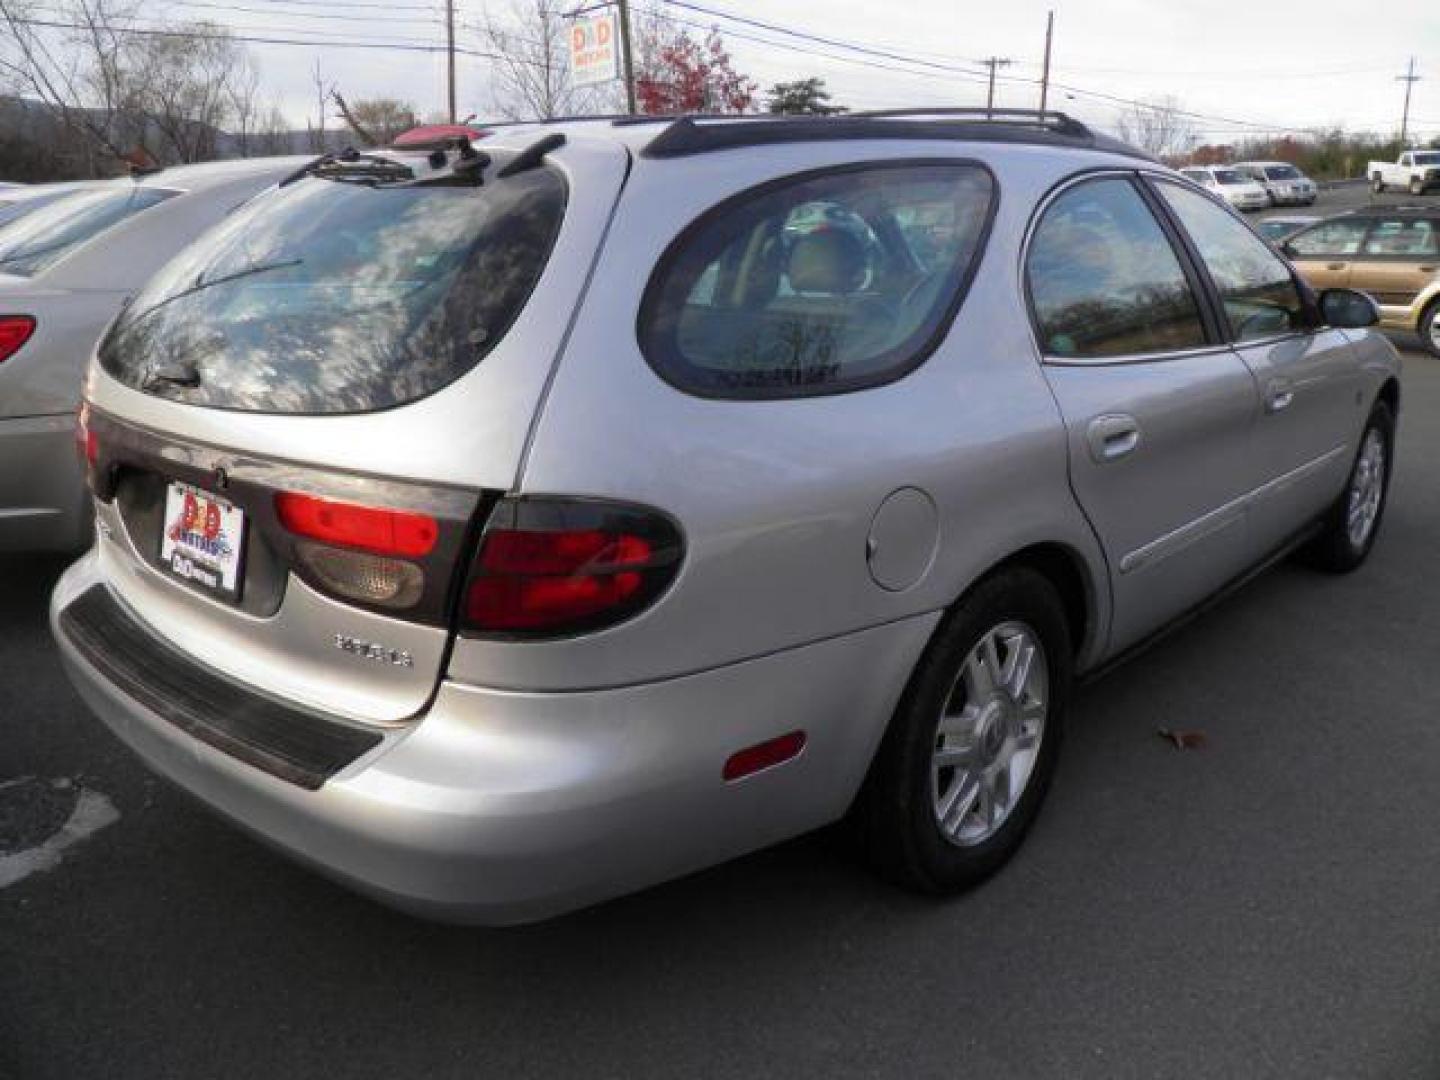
(819, 283)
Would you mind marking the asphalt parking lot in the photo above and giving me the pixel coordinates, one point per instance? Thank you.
(1262, 906)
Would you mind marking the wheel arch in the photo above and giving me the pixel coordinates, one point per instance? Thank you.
(1390, 395)
(1077, 585)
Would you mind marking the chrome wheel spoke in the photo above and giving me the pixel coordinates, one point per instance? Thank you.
(958, 802)
(987, 740)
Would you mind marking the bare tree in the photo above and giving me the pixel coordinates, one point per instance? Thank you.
(242, 96)
(316, 132)
(77, 70)
(1159, 127)
(530, 77)
(376, 122)
(186, 90)
(272, 134)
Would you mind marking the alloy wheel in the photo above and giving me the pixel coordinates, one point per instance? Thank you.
(1366, 488)
(988, 735)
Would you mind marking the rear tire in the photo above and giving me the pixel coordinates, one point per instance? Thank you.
(1351, 525)
(1429, 328)
(1377, 185)
(1417, 186)
(969, 754)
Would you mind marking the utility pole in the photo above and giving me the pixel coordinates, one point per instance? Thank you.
(629, 72)
(1045, 74)
(992, 62)
(1409, 79)
(450, 54)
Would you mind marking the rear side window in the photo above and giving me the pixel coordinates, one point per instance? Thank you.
(1255, 286)
(1339, 237)
(817, 284)
(328, 296)
(36, 240)
(1105, 281)
(1402, 237)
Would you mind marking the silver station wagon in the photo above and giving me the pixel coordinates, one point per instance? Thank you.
(507, 527)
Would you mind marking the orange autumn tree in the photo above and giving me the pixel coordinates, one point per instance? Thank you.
(679, 74)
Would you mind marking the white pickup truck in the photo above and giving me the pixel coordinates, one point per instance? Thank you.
(1416, 171)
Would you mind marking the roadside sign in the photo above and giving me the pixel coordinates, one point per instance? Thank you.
(594, 56)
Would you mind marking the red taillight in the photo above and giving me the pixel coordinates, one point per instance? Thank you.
(550, 567)
(15, 330)
(349, 525)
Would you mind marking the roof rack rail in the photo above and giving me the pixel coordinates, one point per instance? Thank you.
(689, 135)
(1048, 119)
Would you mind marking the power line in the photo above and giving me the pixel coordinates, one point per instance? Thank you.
(954, 69)
(227, 35)
(324, 16)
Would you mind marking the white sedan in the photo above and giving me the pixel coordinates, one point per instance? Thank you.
(1239, 191)
(66, 269)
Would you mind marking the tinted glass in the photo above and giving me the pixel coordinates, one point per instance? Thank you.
(818, 284)
(1402, 237)
(1255, 284)
(1104, 279)
(1342, 236)
(327, 296)
(1230, 176)
(1427, 159)
(33, 242)
(1282, 172)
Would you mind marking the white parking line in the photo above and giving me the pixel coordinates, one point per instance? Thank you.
(93, 812)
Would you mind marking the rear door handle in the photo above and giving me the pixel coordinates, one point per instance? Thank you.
(1112, 437)
(1336, 266)
(1429, 269)
(1278, 396)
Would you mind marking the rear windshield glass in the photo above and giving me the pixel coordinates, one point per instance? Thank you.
(33, 242)
(1283, 172)
(1230, 176)
(328, 296)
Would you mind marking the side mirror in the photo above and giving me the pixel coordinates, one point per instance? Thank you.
(1346, 309)
(1287, 249)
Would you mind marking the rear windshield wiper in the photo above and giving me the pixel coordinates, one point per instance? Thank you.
(352, 163)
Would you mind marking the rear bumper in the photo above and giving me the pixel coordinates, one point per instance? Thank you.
(501, 807)
(43, 502)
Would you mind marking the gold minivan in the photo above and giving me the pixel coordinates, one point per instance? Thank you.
(1391, 252)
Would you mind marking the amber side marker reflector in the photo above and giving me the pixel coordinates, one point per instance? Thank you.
(763, 755)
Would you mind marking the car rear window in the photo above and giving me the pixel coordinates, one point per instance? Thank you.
(818, 283)
(33, 242)
(329, 296)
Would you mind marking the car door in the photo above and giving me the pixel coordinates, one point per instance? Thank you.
(1158, 409)
(1325, 253)
(1399, 258)
(1307, 373)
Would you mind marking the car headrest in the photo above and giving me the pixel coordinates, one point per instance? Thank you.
(827, 261)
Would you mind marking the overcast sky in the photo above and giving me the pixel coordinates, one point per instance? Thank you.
(1248, 66)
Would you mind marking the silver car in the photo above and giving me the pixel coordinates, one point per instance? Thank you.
(502, 529)
(66, 268)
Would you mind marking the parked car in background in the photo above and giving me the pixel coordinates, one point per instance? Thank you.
(1417, 171)
(502, 530)
(1390, 252)
(1239, 191)
(1283, 183)
(1280, 226)
(65, 271)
